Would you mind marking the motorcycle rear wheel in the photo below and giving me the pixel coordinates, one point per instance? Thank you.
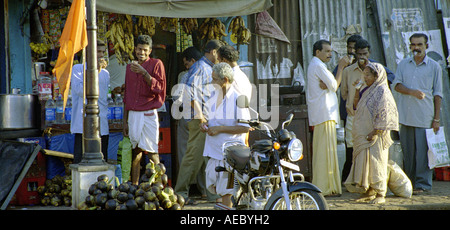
(302, 199)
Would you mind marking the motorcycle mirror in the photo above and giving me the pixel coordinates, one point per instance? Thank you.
(242, 102)
(288, 120)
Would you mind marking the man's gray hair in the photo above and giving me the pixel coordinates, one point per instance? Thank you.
(223, 70)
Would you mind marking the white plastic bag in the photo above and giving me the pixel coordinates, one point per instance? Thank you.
(398, 182)
(437, 149)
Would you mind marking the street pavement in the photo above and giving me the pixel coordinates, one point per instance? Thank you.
(436, 199)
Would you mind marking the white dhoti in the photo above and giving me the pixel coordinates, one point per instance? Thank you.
(143, 130)
(216, 182)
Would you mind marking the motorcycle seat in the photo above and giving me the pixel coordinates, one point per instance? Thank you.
(238, 156)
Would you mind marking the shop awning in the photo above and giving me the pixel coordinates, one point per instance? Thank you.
(184, 8)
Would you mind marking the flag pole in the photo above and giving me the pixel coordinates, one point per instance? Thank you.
(91, 122)
(83, 59)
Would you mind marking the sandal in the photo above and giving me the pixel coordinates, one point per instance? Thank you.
(220, 206)
(190, 201)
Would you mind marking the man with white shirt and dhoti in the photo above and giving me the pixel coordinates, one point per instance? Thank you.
(221, 126)
(323, 114)
(241, 83)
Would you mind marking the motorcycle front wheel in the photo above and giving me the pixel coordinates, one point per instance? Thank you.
(302, 199)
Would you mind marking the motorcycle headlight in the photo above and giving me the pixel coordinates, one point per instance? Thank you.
(295, 150)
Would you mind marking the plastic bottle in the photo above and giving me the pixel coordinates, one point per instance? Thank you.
(68, 111)
(111, 106)
(59, 110)
(118, 109)
(44, 86)
(50, 112)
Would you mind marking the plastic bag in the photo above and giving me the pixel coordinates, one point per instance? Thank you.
(124, 157)
(437, 149)
(398, 182)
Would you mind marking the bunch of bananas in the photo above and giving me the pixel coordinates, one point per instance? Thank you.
(189, 24)
(238, 29)
(212, 28)
(169, 24)
(145, 25)
(121, 36)
(124, 29)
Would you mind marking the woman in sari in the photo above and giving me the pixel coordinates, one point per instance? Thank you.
(376, 115)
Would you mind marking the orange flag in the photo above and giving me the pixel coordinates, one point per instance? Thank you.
(73, 39)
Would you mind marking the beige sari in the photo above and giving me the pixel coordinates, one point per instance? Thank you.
(375, 110)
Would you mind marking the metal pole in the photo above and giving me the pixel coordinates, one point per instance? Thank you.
(91, 123)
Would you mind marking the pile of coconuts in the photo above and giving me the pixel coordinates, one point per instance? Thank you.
(152, 193)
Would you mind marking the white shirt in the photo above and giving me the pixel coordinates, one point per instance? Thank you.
(76, 124)
(225, 114)
(116, 72)
(241, 83)
(322, 104)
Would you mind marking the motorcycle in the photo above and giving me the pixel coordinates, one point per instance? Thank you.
(265, 176)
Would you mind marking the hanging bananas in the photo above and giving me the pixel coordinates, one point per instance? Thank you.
(122, 32)
(169, 24)
(119, 35)
(145, 25)
(189, 24)
(238, 29)
(212, 28)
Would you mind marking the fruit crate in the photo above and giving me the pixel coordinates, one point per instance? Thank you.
(443, 174)
(164, 141)
(26, 193)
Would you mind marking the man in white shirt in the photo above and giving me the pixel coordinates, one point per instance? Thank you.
(221, 126)
(323, 114)
(230, 55)
(76, 124)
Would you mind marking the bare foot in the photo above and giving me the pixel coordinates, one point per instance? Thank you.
(378, 200)
(367, 196)
(365, 199)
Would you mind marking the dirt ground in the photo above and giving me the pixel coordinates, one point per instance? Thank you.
(436, 199)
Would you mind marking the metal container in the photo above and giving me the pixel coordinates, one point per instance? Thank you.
(18, 111)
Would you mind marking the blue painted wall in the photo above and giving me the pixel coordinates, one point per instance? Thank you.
(19, 49)
(3, 64)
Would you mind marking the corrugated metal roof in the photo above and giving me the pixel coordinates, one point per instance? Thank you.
(400, 16)
(284, 14)
(327, 19)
